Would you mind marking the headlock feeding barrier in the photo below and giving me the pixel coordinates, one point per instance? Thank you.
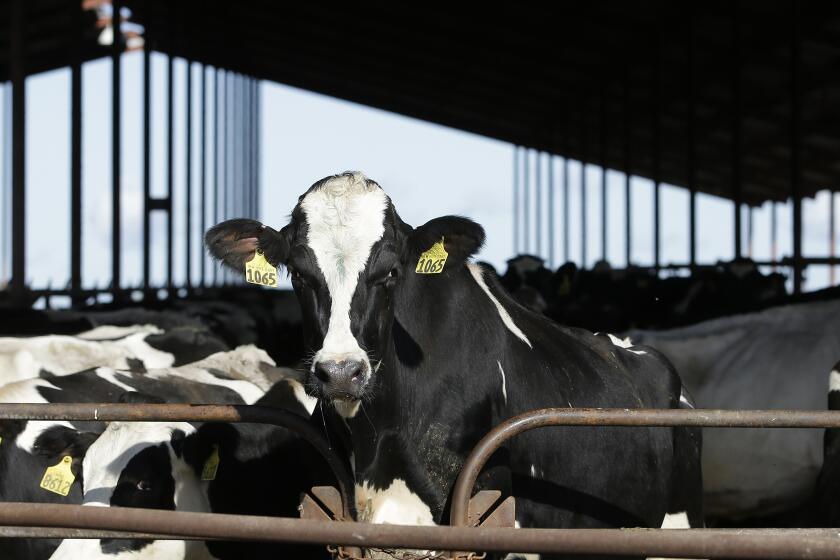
(483, 523)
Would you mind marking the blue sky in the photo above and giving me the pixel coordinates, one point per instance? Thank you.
(428, 170)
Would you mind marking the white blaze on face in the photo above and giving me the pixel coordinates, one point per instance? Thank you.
(395, 505)
(345, 218)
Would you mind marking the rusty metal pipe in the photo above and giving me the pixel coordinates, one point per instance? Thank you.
(697, 543)
(112, 412)
(64, 533)
(710, 418)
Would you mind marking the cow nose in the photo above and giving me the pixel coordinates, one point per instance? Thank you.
(345, 372)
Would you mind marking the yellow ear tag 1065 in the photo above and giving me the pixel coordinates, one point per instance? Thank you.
(59, 478)
(211, 465)
(260, 271)
(432, 261)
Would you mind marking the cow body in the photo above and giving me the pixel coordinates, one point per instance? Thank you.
(423, 365)
(827, 494)
(777, 358)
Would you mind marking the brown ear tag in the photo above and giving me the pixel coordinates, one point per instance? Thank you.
(260, 271)
(59, 478)
(433, 260)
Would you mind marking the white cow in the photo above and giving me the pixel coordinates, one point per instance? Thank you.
(775, 359)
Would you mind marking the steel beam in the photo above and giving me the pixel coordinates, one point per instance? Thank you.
(737, 177)
(17, 55)
(515, 200)
(796, 142)
(76, 39)
(188, 197)
(147, 164)
(116, 148)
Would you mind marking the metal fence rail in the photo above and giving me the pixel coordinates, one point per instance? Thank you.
(19, 519)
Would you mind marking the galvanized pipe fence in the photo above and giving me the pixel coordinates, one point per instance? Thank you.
(69, 521)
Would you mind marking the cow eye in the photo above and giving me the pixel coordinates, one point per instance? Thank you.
(389, 278)
(144, 485)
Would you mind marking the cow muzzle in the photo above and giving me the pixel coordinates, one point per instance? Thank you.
(341, 380)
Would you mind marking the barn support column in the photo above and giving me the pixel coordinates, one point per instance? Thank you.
(116, 147)
(203, 175)
(628, 201)
(737, 178)
(76, 32)
(18, 78)
(515, 200)
(692, 151)
(188, 194)
(551, 211)
(795, 145)
(774, 233)
(832, 236)
(566, 244)
(170, 175)
(147, 165)
(603, 148)
(583, 189)
(216, 159)
(657, 144)
(526, 201)
(750, 214)
(538, 210)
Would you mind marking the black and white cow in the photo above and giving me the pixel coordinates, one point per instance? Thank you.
(827, 494)
(27, 448)
(137, 348)
(773, 359)
(423, 365)
(261, 470)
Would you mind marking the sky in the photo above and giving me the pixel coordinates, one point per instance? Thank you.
(428, 170)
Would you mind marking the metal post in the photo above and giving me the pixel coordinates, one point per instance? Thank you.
(551, 211)
(750, 231)
(526, 202)
(116, 138)
(216, 158)
(147, 164)
(203, 180)
(538, 201)
(246, 147)
(515, 200)
(188, 201)
(17, 53)
(566, 244)
(832, 236)
(628, 201)
(735, 61)
(603, 148)
(77, 31)
(170, 176)
(583, 185)
(257, 151)
(774, 229)
(657, 144)
(691, 155)
(795, 145)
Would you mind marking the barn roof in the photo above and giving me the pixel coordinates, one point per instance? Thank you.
(686, 92)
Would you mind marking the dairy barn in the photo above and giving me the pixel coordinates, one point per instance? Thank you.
(579, 299)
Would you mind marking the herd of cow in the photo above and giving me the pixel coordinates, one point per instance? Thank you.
(405, 367)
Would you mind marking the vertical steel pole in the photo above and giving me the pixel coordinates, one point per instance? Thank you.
(774, 233)
(737, 178)
(515, 200)
(566, 243)
(628, 200)
(170, 176)
(583, 189)
(551, 219)
(526, 203)
(795, 145)
(832, 236)
(246, 146)
(538, 195)
(17, 54)
(203, 175)
(217, 159)
(692, 149)
(258, 150)
(147, 164)
(750, 231)
(116, 148)
(657, 143)
(188, 201)
(77, 31)
(603, 148)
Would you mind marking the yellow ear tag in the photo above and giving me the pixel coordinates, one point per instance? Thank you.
(59, 478)
(211, 465)
(259, 271)
(432, 261)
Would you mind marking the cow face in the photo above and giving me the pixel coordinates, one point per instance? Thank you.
(135, 464)
(347, 252)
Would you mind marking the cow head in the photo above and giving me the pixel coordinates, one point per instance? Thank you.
(347, 252)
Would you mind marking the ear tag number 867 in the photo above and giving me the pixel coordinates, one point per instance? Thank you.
(260, 271)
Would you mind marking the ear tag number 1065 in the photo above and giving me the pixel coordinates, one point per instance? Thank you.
(260, 271)
(432, 261)
(59, 478)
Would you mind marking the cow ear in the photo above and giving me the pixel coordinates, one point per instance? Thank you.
(197, 447)
(60, 441)
(234, 243)
(462, 238)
